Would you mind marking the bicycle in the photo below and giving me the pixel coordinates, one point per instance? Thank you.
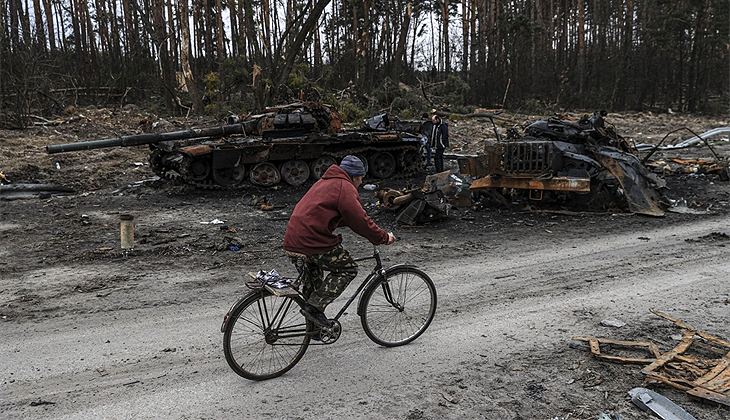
(264, 335)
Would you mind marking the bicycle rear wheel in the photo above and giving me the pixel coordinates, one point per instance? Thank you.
(397, 309)
(265, 336)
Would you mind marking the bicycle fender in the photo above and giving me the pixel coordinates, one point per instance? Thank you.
(376, 278)
(394, 267)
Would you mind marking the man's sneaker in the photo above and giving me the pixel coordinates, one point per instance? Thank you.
(315, 315)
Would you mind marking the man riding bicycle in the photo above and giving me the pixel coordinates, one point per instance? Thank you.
(332, 202)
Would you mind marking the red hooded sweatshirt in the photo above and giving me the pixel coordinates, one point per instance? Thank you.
(332, 202)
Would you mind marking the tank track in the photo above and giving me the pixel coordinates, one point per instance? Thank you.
(404, 168)
(401, 158)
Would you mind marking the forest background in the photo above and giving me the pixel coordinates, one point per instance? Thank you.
(219, 57)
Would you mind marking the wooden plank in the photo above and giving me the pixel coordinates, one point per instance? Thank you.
(719, 377)
(284, 291)
(595, 348)
(710, 395)
(683, 345)
(681, 324)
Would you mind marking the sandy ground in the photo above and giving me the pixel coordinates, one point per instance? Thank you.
(90, 331)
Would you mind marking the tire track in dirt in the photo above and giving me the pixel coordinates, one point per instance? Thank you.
(484, 329)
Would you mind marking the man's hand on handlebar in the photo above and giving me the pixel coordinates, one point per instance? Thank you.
(391, 238)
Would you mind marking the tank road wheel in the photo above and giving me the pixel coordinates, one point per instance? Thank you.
(382, 165)
(295, 172)
(199, 169)
(364, 161)
(229, 177)
(411, 161)
(265, 175)
(320, 165)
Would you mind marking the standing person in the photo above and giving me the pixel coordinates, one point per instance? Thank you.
(332, 202)
(426, 129)
(439, 141)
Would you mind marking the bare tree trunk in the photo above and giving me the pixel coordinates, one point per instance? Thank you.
(39, 29)
(219, 30)
(184, 56)
(445, 36)
(49, 23)
(318, 62)
(163, 58)
(465, 36)
(402, 38)
(172, 34)
(581, 47)
(207, 28)
(293, 51)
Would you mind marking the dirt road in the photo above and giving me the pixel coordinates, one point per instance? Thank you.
(144, 342)
(90, 332)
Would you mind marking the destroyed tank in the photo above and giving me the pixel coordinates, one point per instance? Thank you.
(293, 143)
(583, 161)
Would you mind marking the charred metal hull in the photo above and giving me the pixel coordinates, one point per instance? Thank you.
(562, 157)
(292, 143)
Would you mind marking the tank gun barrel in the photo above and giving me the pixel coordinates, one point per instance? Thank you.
(149, 138)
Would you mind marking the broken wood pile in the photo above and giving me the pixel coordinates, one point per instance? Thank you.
(698, 374)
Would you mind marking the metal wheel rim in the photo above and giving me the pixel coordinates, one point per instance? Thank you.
(382, 165)
(320, 165)
(295, 172)
(199, 169)
(265, 175)
(229, 177)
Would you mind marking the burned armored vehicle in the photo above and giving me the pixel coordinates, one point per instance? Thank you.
(583, 161)
(293, 143)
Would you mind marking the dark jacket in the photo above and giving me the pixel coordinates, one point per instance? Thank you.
(440, 136)
(426, 129)
(332, 202)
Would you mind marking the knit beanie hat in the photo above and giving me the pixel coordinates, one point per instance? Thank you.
(353, 166)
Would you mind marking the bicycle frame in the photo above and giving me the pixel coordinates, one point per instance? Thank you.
(377, 271)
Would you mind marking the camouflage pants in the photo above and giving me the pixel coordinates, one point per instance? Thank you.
(320, 291)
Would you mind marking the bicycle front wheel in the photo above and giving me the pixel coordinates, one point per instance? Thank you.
(398, 308)
(265, 336)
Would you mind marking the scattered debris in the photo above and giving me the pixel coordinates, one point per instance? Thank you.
(712, 237)
(135, 185)
(450, 398)
(25, 191)
(439, 194)
(612, 322)
(213, 222)
(680, 206)
(703, 377)
(686, 143)
(415, 205)
(648, 400)
(40, 402)
(453, 185)
(612, 416)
